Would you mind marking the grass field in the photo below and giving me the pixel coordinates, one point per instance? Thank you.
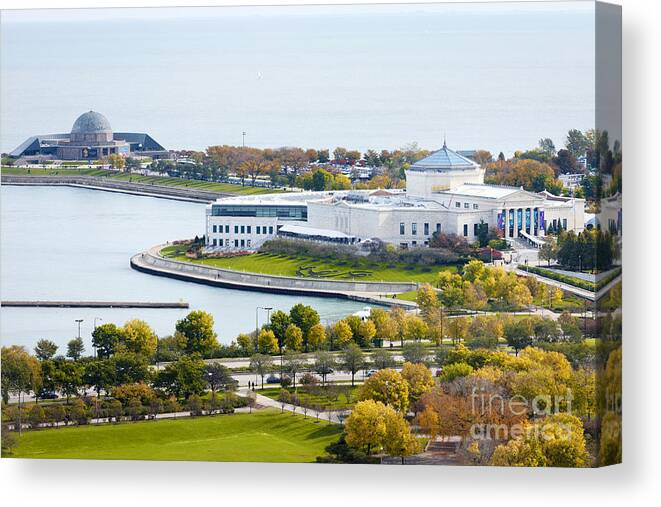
(156, 180)
(265, 435)
(319, 397)
(307, 267)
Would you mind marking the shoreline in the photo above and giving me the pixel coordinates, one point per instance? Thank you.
(151, 262)
(117, 186)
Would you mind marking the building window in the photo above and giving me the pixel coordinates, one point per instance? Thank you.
(466, 205)
(466, 230)
(248, 243)
(426, 229)
(243, 229)
(402, 228)
(221, 242)
(227, 229)
(457, 204)
(236, 243)
(414, 228)
(236, 229)
(475, 206)
(243, 242)
(248, 229)
(413, 243)
(404, 245)
(215, 243)
(259, 230)
(438, 228)
(215, 228)
(476, 228)
(564, 224)
(270, 229)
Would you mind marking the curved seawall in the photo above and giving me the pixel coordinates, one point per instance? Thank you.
(151, 262)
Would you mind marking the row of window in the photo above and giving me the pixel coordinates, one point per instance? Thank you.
(243, 229)
(414, 229)
(467, 205)
(297, 212)
(244, 243)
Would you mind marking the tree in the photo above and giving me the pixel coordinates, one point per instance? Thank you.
(381, 359)
(554, 441)
(518, 334)
(352, 360)
(279, 323)
(185, 377)
(20, 372)
(129, 367)
(386, 327)
(342, 334)
(415, 352)
(577, 143)
(293, 363)
(267, 343)
(246, 343)
(75, 348)
(366, 426)
(415, 328)
(317, 337)
(455, 370)
(197, 327)
(547, 146)
(458, 328)
(261, 364)
(98, 374)
(69, 378)
(427, 300)
(398, 440)
(366, 331)
(304, 317)
(45, 350)
(419, 379)
(293, 338)
(106, 339)
(547, 251)
(388, 387)
(323, 364)
(139, 337)
(219, 377)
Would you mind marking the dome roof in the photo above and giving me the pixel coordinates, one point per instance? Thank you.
(91, 123)
(444, 160)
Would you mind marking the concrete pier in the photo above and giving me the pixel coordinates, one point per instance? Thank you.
(93, 304)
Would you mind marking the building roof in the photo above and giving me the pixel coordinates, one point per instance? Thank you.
(91, 123)
(303, 230)
(444, 160)
(484, 191)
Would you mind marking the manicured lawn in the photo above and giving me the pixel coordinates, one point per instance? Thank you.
(319, 396)
(265, 435)
(156, 180)
(307, 267)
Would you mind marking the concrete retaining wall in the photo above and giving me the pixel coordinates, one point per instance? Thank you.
(151, 262)
(114, 185)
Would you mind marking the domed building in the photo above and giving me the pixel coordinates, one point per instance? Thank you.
(91, 138)
(441, 171)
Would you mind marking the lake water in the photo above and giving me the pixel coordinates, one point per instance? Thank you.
(75, 244)
(498, 77)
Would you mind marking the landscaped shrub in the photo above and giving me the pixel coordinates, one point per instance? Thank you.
(308, 379)
(194, 405)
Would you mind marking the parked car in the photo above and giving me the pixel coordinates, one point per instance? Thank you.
(43, 394)
(369, 373)
(272, 379)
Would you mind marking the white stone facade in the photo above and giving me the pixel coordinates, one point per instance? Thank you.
(407, 219)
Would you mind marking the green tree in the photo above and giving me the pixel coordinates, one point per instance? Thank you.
(323, 364)
(197, 327)
(415, 352)
(75, 348)
(293, 364)
(98, 374)
(518, 333)
(45, 350)
(219, 377)
(106, 338)
(129, 367)
(69, 378)
(261, 364)
(353, 360)
(381, 359)
(279, 323)
(304, 317)
(184, 377)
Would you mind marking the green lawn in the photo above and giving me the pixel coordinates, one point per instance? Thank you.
(318, 396)
(307, 267)
(156, 180)
(265, 435)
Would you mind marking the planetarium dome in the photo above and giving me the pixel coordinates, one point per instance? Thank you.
(91, 127)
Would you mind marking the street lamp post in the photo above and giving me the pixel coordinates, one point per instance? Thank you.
(79, 321)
